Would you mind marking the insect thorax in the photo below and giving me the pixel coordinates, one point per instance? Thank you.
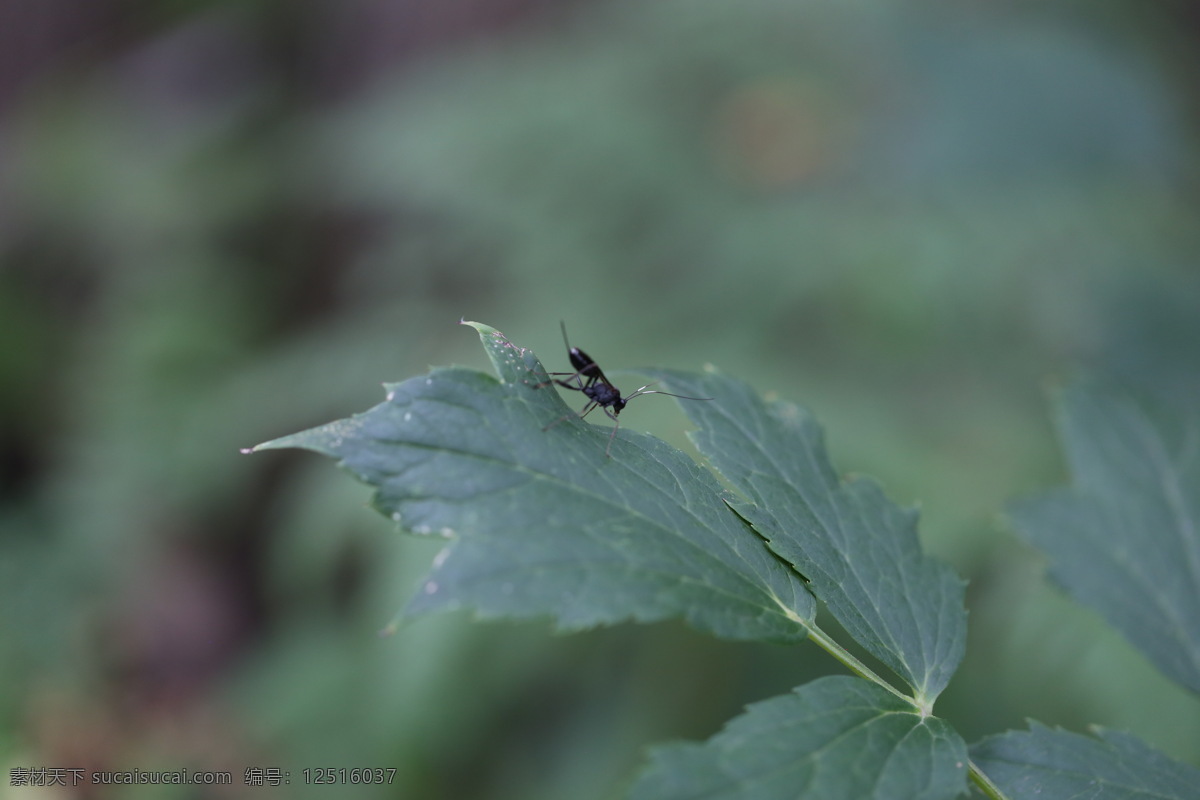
(605, 394)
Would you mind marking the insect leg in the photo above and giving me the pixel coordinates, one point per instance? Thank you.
(613, 435)
(586, 409)
(578, 386)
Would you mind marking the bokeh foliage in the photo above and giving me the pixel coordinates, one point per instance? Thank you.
(221, 222)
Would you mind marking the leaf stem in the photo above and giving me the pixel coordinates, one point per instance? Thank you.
(826, 643)
(823, 640)
(860, 669)
(984, 783)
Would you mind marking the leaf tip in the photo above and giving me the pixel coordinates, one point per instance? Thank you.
(482, 329)
(273, 444)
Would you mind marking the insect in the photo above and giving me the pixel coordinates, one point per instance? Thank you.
(590, 379)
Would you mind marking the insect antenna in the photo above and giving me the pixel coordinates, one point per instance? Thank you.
(643, 391)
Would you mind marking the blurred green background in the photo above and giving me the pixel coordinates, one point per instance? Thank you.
(221, 222)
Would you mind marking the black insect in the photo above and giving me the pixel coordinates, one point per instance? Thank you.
(590, 379)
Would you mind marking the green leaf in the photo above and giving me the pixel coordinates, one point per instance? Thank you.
(1125, 538)
(540, 522)
(1043, 763)
(859, 550)
(833, 739)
